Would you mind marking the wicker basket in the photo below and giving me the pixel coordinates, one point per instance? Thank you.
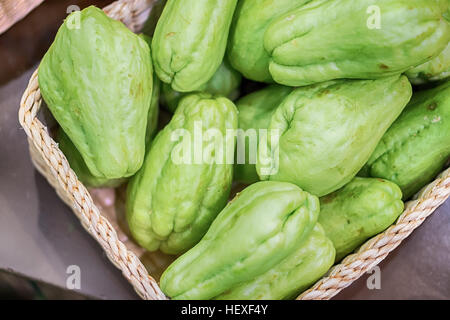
(52, 164)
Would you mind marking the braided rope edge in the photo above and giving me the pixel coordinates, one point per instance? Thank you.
(53, 165)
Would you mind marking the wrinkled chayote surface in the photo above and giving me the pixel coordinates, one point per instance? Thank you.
(361, 209)
(97, 82)
(153, 112)
(328, 131)
(364, 39)
(259, 228)
(190, 40)
(174, 197)
(78, 165)
(255, 111)
(246, 42)
(298, 271)
(225, 82)
(434, 70)
(417, 146)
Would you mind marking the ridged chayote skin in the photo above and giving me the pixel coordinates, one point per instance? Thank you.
(328, 131)
(417, 146)
(172, 200)
(153, 112)
(358, 211)
(78, 165)
(434, 70)
(334, 39)
(97, 83)
(190, 40)
(259, 228)
(255, 112)
(298, 271)
(246, 42)
(225, 82)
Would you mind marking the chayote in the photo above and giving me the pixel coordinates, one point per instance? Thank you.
(434, 70)
(153, 112)
(246, 42)
(96, 79)
(364, 39)
(259, 228)
(225, 82)
(255, 111)
(417, 146)
(78, 165)
(189, 41)
(183, 184)
(358, 211)
(298, 271)
(327, 132)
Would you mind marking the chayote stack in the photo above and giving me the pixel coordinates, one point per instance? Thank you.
(361, 209)
(97, 82)
(255, 111)
(225, 82)
(417, 146)
(327, 132)
(364, 39)
(433, 70)
(179, 190)
(246, 42)
(190, 40)
(258, 229)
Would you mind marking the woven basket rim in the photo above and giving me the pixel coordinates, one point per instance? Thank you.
(58, 172)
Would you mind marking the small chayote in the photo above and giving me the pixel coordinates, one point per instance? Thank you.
(361, 209)
(298, 271)
(255, 111)
(417, 146)
(365, 39)
(246, 42)
(325, 133)
(78, 165)
(225, 82)
(96, 79)
(433, 70)
(186, 177)
(257, 230)
(190, 40)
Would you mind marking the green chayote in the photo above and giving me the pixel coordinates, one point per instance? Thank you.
(434, 70)
(255, 112)
(78, 165)
(327, 132)
(358, 211)
(364, 39)
(189, 41)
(96, 79)
(177, 193)
(246, 42)
(417, 146)
(298, 271)
(153, 112)
(225, 82)
(259, 228)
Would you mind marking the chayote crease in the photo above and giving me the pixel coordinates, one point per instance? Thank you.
(361, 209)
(433, 70)
(96, 79)
(365, 39)
(257, 230)
(327, 132)
(185, 180)
(417, 146)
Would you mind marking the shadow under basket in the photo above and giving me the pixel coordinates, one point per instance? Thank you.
(102, 218)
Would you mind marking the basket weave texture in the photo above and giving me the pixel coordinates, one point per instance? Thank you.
(53, 165)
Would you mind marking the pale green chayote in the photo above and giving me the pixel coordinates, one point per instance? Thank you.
(97, 82)
(327, 132)
(433, 70)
